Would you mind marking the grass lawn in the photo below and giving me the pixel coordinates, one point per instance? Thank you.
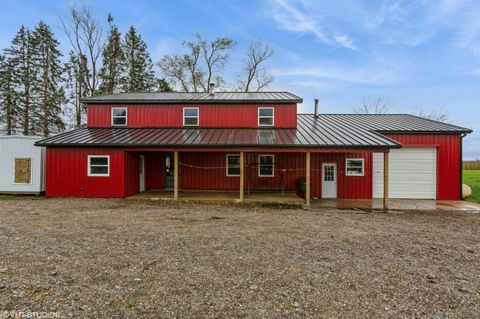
(14, 197)
(472, 179)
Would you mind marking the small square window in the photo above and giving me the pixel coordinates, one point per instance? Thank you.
(233, 165)
(354, 167)
(266, 166)
(190, 116)
(265, 116)
(119, 116)
(98, 165)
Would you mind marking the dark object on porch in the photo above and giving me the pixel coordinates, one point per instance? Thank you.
(260, 178)
(301, 186)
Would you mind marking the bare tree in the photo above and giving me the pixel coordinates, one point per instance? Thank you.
(373, 105)
(436, 115)
(255, 73)
(202, 64)
(86, 37)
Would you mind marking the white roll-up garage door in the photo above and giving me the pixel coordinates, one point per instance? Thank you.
(412, 173)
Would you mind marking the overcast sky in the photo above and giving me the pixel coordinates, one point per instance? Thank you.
(418, 55)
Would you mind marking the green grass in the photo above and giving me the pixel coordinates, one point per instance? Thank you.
(20, 197)
(472, 179)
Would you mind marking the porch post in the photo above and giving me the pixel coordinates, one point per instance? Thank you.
(241, 175)
(175, 175)
(307, 179)
(385, 181)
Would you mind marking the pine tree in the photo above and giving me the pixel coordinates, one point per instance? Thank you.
(9, 115)
(139, 75)
(23, 74)
(113, 61)
(49, 95)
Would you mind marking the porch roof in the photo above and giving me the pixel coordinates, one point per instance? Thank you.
(325, 131)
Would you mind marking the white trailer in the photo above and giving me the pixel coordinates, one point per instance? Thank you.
(22, 165)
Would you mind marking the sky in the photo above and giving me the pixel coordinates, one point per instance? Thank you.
(418, 55)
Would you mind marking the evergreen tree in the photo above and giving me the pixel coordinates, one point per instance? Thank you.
(139, 75)
(163, 86)
(23, 74)
(9, 112)
(48, 93)
(113, 61)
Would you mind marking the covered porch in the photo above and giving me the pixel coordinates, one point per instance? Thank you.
(251, 175)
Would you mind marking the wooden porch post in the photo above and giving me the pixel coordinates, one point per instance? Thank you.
(175, 175)
(307, 179)
(385, 181)
(241, 176)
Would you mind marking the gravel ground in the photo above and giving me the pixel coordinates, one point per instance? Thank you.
(87, 258)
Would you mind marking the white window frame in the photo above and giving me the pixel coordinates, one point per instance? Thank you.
(273, 165)
(126, 115)
(273, 116)
(31, 169)
(354, 159)
(226, 158)
(191, 117)
(89, 166)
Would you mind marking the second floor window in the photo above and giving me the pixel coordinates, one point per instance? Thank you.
(119, 116)
(265, 116)
(190, 116)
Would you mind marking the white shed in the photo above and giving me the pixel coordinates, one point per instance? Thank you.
(22, 165)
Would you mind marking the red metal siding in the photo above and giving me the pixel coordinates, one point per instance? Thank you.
(211, 115)
(154, 171)
(448, 160)
(354, 187)
(132, 173)
(66, 173)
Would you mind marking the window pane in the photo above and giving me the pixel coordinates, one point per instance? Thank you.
(191, 121)
(119, 120)
(119, 112)
(265, 121)
(99, 170)
(266, 160)
(266, 170)
(190, 112)
(354, 167)
(266, 112)
(98, 161)
(233, 165)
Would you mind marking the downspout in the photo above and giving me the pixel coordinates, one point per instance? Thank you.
(461, 164)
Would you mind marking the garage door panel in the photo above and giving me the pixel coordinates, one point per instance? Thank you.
(412, 173)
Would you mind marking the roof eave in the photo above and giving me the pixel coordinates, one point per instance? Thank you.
(137, 101)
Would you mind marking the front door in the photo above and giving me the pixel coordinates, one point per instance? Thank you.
(142, 173)
(329, 180)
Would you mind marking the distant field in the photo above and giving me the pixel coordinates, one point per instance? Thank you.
(475, 165)
(472, 179)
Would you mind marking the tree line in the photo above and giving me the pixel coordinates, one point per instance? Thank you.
(41, 87)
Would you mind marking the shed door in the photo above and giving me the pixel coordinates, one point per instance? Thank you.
(23, 171)
(412, 173)
(329, 180)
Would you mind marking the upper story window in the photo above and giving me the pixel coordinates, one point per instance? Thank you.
(354, 167)
(119, 116)
(265, 116)
(266, 165)
(98, 165)
(190, 116)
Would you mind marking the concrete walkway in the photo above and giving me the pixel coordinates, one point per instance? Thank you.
(397, 204)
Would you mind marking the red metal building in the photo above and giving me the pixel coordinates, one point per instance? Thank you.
(224, 141)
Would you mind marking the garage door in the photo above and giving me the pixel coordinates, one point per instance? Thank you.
(412, 173)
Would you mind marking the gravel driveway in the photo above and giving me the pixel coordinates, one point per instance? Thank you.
(87, 258)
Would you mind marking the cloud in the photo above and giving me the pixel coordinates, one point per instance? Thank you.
(293, 18)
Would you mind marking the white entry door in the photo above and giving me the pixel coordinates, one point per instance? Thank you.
(142, 173)
(412, 173)
(329, 180)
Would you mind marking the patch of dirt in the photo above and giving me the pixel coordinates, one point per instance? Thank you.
(101, 258)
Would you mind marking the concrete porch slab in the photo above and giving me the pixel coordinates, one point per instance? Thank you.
(397, 204)
(288, 198)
